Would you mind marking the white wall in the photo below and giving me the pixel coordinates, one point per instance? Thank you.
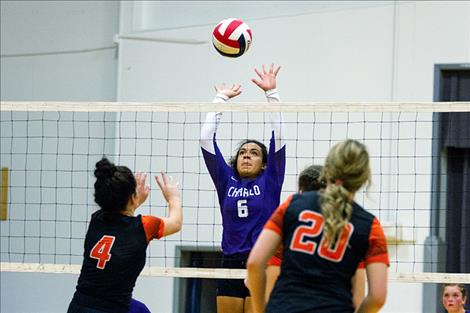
(339, 51)
(51, 50)
(58, 50)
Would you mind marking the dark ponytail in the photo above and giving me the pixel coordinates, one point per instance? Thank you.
(114, 186)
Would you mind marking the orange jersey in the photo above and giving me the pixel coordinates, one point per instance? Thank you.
(153, 227)
(314, 272)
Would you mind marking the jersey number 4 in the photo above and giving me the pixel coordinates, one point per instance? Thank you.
(101, 251)
(301, 243)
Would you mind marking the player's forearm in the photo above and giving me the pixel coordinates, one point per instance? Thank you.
(370, 305)
(358, 287)
(276, 119)
(208, 130)
(257, 286)
(175, 212)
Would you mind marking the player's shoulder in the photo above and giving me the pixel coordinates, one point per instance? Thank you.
(359, 213)
(97, 214)
(103, 216)
(146, 219)
(308, 199)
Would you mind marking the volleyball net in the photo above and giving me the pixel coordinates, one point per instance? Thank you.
(49, 151)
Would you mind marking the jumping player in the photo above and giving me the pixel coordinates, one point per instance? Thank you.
(116, 240)
(325, 235)
(248, 189)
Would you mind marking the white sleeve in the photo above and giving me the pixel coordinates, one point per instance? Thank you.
(209, 128)
(276, 119)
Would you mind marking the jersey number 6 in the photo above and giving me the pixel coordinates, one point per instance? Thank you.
(301, 244)
(101, 250)
(242, 208)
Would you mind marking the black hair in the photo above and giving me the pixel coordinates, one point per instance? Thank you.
(114, 186)
(264, 152)
(309, 179)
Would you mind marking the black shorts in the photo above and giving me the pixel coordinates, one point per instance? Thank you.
(233, 287)
(82, 303)
(77, 308)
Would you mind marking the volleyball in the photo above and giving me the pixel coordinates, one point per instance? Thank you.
(231, 37)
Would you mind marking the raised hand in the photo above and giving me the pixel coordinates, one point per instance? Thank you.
(142, 190)
(169, 189)
(174, 220)
(267, 79)
(230, 92)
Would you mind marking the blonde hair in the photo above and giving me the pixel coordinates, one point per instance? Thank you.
(345, 171)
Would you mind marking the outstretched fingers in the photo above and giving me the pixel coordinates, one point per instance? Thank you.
(140, 178)
(143, 179)
(164, 181)
(259, 74)
(170, 189)
(229, 91)
(256, 82)
(236, 87)
(142, 190)
(159, 181)
(271, 68)
(266, 79)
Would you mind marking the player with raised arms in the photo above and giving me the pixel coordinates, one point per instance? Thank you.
(117, 240)
(325, 236)
(248, 189)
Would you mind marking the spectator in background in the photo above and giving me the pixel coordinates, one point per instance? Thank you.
(454, 297)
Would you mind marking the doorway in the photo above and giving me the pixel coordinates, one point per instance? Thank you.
(197, 295)
(446, 247)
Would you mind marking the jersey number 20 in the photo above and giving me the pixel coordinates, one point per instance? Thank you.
(101, 251)
(301, 243)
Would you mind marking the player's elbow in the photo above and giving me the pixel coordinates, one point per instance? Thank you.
(178, 225)
(207, 145)
(378, 297)
(379, 302)
(377, 282)
(254, 264)
(172, 225)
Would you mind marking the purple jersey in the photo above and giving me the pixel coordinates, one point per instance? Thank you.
(246, 204)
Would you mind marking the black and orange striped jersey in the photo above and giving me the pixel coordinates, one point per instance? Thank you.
(315, 276)
(114, 256)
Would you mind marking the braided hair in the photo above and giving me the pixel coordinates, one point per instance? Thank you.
(346, 170)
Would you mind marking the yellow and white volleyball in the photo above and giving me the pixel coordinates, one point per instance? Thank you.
(232, 37)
